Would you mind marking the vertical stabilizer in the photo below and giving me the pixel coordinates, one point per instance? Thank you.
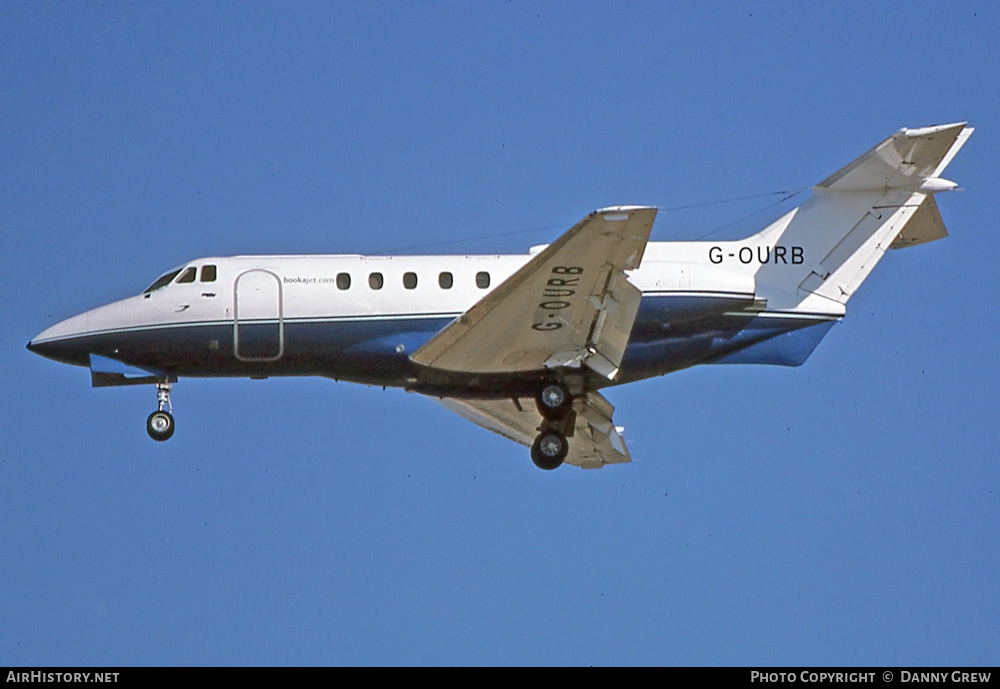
(882, 200)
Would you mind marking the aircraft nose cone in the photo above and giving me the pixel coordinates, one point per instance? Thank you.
(40, 348)
(72, 340)
(59, 350)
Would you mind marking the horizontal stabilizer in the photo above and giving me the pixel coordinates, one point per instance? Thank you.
(908, 160)
(924, 226)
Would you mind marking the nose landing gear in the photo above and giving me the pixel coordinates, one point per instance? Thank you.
(160, 424)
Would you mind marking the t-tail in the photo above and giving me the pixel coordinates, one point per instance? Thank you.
(809, 263)
(883, 200)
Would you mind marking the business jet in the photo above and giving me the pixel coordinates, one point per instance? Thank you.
(523, 345)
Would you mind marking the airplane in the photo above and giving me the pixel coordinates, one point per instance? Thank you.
(522, 345)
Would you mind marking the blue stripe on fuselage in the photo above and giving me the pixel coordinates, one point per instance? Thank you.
(672, 331)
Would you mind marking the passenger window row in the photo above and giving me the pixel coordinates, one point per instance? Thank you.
(375, 280)
(445, 280)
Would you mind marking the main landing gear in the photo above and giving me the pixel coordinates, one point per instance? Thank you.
(550, 448)
(160, 424)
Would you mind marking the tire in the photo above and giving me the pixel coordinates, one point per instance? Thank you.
(160, 425)
(549, 450)
(554, 401)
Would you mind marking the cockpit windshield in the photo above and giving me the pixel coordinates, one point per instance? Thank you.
(162, 281)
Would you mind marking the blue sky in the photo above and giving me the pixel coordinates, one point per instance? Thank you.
(844, 512)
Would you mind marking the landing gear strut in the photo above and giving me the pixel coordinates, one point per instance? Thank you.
(160, 424)
(550, 448)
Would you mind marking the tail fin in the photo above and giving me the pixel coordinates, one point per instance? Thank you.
(882, 200)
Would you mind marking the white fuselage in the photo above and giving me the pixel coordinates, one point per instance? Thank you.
(359, 317)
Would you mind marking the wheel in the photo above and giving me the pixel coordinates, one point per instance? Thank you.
(554, 401)
(160, 425)
(549, 450)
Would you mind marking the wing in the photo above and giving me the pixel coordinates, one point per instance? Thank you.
(570, 305)
(595, 440)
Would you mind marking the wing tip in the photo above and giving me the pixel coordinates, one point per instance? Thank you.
(933, 129)
(624, 209)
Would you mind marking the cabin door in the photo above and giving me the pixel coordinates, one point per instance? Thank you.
(259, 327)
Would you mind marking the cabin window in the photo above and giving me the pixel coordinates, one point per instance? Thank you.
(482, 279)
(162, 281)
(188, 275)
(208, 273)
(410, 280)
(343, 281)
(375, 280)
(446, 280)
